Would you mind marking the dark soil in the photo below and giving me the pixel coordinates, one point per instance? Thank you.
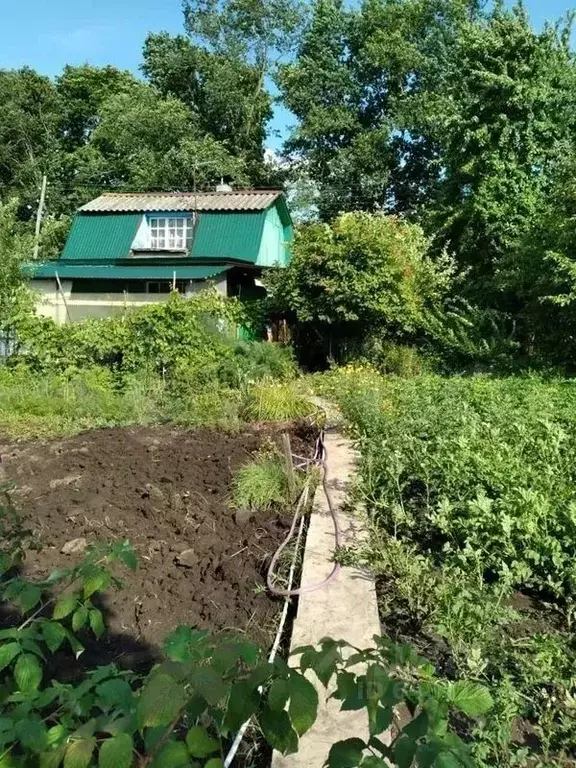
(166, 491)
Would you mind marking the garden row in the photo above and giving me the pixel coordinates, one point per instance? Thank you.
(471, 488)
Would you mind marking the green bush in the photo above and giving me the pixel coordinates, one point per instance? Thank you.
(399, 359)
(177, 361)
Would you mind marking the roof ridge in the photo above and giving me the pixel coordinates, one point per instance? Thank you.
(192, 194)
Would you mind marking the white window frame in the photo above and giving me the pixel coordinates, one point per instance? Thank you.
(169, 233)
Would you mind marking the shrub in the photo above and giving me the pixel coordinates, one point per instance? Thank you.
(399, 359)
(364, 272)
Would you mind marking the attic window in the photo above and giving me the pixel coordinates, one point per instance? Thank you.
(169, 233)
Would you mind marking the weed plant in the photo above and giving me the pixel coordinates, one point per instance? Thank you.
(275, 401)
(262, 483)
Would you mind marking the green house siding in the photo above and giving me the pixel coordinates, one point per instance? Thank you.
(273, 251)
(106, 236)
(228, 236)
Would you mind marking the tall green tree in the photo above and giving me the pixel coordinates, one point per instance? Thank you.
(82, 90)
(505, 114)
(15, 248)
(30, 130)
(357, 86)
(222, 70)
(224, 94)
(147, 141)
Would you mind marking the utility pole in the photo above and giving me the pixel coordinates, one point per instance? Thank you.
(39, 216)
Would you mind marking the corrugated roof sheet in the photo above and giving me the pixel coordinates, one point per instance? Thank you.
(121, 272)
(246, 200)
(228, 236)
(101, 237)
(225, 235)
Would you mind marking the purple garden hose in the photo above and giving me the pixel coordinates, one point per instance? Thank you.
(320, 459)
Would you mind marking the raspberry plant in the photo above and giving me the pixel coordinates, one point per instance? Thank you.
(187, 709)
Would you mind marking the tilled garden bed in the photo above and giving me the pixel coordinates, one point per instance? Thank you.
(167, 491)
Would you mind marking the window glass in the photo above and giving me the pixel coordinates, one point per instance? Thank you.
(169, 232)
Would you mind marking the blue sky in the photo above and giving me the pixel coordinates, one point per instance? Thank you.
(46, 34)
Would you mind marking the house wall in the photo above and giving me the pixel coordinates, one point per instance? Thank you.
(273, 251)
(79, 306)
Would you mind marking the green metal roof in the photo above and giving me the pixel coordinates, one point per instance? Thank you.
(228, 236)
(218, 235)
(104, 236)
(120, 272)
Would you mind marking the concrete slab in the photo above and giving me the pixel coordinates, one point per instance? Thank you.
(344, 609)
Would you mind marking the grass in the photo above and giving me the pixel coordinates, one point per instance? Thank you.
(43, 405)
(471, 488)
(262, 483)
(275, 401)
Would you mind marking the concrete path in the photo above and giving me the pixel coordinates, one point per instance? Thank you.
(345, 609)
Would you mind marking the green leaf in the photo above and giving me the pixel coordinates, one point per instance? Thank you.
(96, 622)
(278, 694)
(77, 647)
(115, 693)
(418, 727)
(127, 556)
(208, 683)
(79, 753)
(53, 758)
(13, 589)
(404, 749)
(242, 704)
(56, 734)
(325, 663)
(374, 762)
(27, 672)
(172, 755)
(6, 724)
(277, 729)
(96, 582)
(29, 597)
(303, 703)
(161, 700)
(54, 634)
(8, 653)
(382, 719)
(447, 760)
(200, 743)
(177, 644)
(471, 698)
(64, 607)
(32, 734)
(79, 618)
(32, 646)
(116, 752)
(215, 762)
(346, 754)
(57, 575)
